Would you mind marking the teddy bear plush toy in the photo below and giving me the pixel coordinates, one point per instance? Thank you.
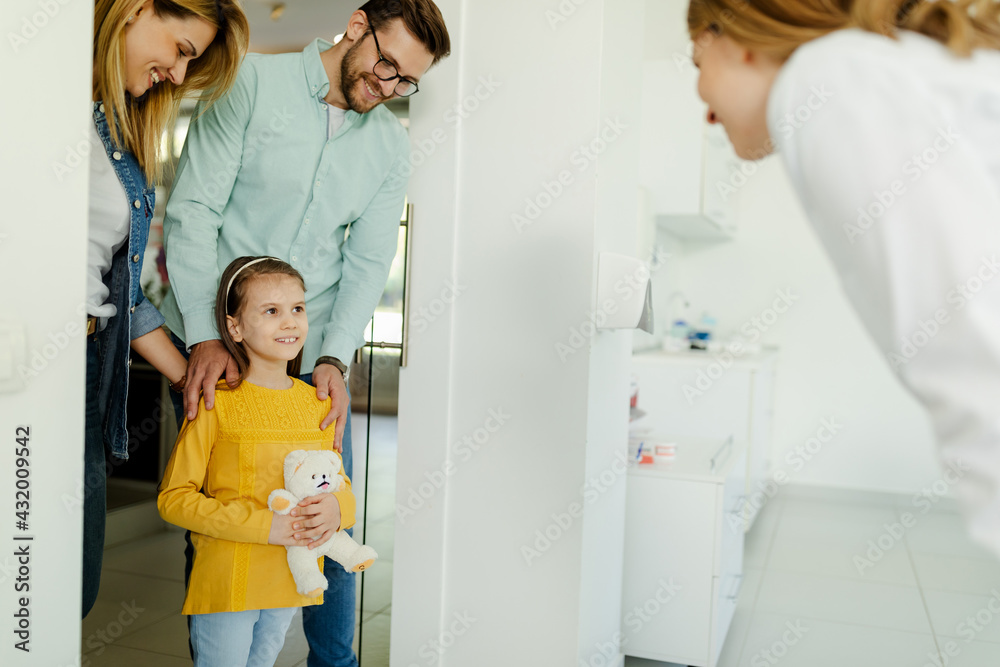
(308, 473)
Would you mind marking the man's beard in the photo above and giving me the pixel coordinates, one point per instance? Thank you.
(350, 74)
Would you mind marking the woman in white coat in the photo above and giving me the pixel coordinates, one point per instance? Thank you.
(887, 117)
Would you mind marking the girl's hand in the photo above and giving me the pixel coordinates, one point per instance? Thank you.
(316, 518)
(282, 532)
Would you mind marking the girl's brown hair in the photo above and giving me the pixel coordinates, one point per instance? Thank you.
(137, 124)
(778, 27)
(230, 301)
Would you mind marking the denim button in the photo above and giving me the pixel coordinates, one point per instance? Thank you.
(101, 108)
(135, 258)
(116, 155)
(136, 204)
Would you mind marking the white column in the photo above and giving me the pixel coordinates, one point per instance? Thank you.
(513, 414)
(45, 65)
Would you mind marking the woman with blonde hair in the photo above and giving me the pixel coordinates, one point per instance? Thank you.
(148, 55)
(887, 117)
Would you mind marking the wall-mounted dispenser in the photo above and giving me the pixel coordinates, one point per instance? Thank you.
(624, 292)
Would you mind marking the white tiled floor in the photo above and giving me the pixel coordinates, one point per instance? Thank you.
(921, 599)
(137, 622)
(924, 602)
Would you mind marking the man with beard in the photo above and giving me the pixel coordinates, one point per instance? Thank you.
(302, 162)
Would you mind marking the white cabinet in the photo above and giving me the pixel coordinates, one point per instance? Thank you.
(683, 553)
(685, 163)
(711, 395)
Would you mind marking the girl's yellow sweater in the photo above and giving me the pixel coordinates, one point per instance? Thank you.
(224, 465)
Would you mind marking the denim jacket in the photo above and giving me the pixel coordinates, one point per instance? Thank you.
(136, 316)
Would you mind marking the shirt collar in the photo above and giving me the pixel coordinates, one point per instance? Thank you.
(319, 82)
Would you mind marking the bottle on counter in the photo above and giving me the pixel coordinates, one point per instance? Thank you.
(700, 336)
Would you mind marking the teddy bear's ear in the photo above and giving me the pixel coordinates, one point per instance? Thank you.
(292, 463)
(335, 460)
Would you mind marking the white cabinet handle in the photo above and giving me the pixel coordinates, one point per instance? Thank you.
(739, 584)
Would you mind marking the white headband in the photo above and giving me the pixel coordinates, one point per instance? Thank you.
(250, 263)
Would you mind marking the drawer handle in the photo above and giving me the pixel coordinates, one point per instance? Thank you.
(716, 458)
(736, 594)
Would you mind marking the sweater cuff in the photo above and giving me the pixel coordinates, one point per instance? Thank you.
(348, 507)
(263, 537)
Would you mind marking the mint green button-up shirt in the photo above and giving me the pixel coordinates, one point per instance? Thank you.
(260, 174)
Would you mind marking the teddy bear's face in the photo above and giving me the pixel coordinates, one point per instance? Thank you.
(317, 473)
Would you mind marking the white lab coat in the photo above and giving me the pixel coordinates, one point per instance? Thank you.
(894, 150)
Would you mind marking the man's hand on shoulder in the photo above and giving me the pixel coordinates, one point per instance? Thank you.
(329, 382)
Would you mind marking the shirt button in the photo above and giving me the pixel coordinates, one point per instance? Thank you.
(294, 258)
(101, 108)
(307, 221)
(136, 203)
(116, 155)
(132, 309)
(317, 184)
(135, 258)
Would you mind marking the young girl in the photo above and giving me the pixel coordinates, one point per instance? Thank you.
(887, 116)
(241, 596)
(148, 54)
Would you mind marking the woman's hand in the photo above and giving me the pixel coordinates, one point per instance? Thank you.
(156, 348)
(316, 518)
(282, 532)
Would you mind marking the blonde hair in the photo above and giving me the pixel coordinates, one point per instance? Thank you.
(137, 124)
(230, 299)
(778, 27)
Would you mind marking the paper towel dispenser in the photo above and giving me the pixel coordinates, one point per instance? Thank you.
(624, 292)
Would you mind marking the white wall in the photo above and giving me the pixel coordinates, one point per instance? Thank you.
(558, 82)
(45, 67)
(828, 366)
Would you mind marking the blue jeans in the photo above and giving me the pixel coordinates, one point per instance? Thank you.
(94, 482)
(329, 627)
(251, 638)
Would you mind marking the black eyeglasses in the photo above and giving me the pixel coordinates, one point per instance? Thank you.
(386, 71)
